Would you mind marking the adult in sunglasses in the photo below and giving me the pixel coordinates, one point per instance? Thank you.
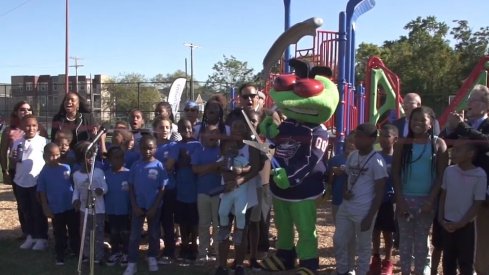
(191, 112)
(248, 100)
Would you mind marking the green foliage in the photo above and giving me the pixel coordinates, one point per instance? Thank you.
(425, 60)
(228, 73)
(131, 91)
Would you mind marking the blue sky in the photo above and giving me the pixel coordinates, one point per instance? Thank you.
(147, 36)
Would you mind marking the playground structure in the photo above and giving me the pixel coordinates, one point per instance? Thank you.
(378, 98)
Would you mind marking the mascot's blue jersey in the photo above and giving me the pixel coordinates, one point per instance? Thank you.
(299, 148)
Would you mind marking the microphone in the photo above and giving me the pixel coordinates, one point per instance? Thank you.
(101, 131)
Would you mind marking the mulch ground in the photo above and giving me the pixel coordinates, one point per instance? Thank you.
(9, 229)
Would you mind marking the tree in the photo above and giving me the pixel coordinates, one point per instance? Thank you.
(364, 52)
(470, 46)
(228, 73)
(131, 91)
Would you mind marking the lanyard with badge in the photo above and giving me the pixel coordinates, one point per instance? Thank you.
(356, 175)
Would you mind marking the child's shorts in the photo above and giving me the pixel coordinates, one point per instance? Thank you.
(385, 218)
(186, 214)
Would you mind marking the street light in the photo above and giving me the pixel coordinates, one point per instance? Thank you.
(191, 46)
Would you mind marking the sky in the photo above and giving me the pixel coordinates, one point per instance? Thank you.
(147, 36)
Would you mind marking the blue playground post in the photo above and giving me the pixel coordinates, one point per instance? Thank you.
(286, 27)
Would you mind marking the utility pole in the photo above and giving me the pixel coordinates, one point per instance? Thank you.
(191, 46)
(76, 70)
(67, 12)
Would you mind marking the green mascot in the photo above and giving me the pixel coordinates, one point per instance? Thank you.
(308, 100)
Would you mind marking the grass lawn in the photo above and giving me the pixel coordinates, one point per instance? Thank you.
(16, 261)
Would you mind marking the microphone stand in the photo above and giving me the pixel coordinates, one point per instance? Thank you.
(90, 207)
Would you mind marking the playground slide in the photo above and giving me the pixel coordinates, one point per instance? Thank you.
(479, 75)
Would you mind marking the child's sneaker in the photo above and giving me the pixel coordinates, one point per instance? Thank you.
(60, 262)
(131, 269)
(28, 243)
(254, 265)
(222, 271)
(375, 265)
(201, 261)
(114, 259)
(165, 260)
(239, 270)
(41, 244)
(152, 264)
(123, 261)
(387, 267)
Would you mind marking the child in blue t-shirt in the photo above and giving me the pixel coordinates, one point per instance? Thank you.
(385, 221)
(187, 215)
(205, 164)
(117, 205)
(63, 139)
(56, 191)
(336, 173)
(162, 129)
(123, 138)
(147, 183)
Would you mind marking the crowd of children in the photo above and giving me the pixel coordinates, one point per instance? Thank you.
(197, 179)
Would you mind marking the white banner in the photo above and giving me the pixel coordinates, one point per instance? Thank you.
(175, 94)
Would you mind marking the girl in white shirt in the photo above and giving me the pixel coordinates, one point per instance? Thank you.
(29, 163)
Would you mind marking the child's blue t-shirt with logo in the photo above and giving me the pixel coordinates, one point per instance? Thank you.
(147, 179)
(162, 154)
(117, 200)
(185, 177)
(56, 183)
(208, 181)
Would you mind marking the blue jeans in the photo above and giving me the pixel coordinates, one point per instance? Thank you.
(153, 236)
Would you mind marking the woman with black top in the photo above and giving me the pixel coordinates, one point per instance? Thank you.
(74, 114)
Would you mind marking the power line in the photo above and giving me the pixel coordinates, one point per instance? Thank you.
(14, 8)
(76, 70)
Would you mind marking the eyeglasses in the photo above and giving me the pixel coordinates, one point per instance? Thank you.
(190, 110)
(248, 96)
(25, 109)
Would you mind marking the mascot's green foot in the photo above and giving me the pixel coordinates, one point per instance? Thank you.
(280, 178)
(304, 271)
(272, 263)
(283, 260)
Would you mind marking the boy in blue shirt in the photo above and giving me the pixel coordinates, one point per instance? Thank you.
(186, 205)
(146, 186)
(206, 166)
(117, 205)
(385, 222)
(336, 174)
(337, 180)
(56, 190)
(63, 139)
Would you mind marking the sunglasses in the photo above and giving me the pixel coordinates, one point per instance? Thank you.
(25, 109)
(190, 110)
(248, 96)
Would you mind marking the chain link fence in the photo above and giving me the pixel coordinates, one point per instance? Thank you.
(109, 102)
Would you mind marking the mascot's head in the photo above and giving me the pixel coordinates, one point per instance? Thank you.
(305, 96)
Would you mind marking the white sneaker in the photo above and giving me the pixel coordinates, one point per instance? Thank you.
(152, 264)
(28, 243)
(41, 244)
(131, 269)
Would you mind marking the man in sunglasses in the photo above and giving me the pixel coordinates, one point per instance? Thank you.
(248, 99)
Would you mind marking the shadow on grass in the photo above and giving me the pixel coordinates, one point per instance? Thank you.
(17, 261)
